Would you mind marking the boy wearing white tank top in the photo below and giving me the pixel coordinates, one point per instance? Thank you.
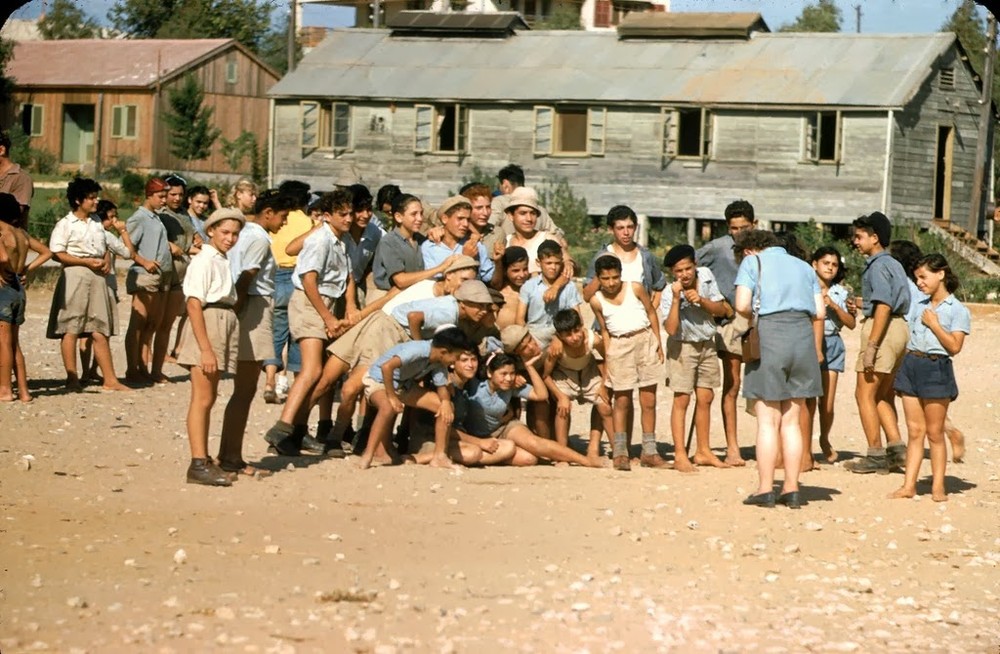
(631, 333)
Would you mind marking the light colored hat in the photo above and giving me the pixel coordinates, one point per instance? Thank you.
(452, 202)
(462, 263)
(512, 336)
(523, 196)
(226, 213)
(473, 290)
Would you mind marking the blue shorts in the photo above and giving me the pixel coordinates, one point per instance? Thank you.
(12, 300)
(931, 379)
(834, 353)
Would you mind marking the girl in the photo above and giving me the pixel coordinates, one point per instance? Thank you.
(398, 261)
(926, 379)
(242, 196)
(515, 267)
(829, 267)
(488, 416)
(210, 340)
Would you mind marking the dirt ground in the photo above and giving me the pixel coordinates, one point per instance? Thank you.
(104, 548)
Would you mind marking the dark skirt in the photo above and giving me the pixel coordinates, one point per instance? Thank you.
(929, 379)
(789, 366)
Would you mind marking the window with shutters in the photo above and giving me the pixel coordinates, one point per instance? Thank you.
(325, 126)
(31, 119)
(947, 78)
(823, 137)
(124, 123)
(687, 133)
(441, 128)
(569, 131)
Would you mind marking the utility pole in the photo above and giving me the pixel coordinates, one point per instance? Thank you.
(857, 18)
(376, 10)
(978, 204)
(292, 33)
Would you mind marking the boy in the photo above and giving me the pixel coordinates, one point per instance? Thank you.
(393, 382)
(638, 263)
(252, 265)
(690, 306)
(535, 310)
(514, 268)
(455, 214)
(884, 334)
(631, 333)
(523, 212)
(571, 372)
(324, 292)
(717, 255)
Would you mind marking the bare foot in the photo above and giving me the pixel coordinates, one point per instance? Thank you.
(384, 460)
(365, 462)
(808, 466)
(939, 496)
(598, 461)
(957, 439)
(560, 464)
(735, 460)
(902, 493)
(829, 453)
(171, 357)
(709, 459)
(24, 396)
(115, 386)
(159, 378)
(7, 397)
(684, 465)
(440, 461)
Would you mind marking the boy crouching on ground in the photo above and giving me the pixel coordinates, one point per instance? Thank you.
(572, 372)
(689, 307)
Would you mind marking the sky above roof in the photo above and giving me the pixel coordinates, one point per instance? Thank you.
(884, 16)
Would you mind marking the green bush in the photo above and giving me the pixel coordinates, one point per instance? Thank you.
(133, 185)
(122, 164)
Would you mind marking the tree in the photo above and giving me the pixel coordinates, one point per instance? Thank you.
(67, 21)
(274, 47)
(970, 29)
(192, 133)
(245, 147)
(247, 21)
(824, 16)
(6, 83)
(564, 17)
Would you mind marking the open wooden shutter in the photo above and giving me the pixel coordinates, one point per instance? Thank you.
(596, 124)
(707, 126)
(838, 155)
(117, 122)
(812, 137)
(423, 135)
(309, 127)
(671, 125)
(542, 143)
(462, 128)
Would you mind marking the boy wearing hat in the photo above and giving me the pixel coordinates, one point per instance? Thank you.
(455, 214)
(148, 279)
(884, 334)
(690, 306)
(523, 212)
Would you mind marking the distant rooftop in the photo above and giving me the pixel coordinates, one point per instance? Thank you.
(424, 23)
(693, 25)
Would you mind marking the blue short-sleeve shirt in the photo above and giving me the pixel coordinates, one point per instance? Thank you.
(838, 295)
(149, 238)
(438, 311)
(540, 314)
(435, 253)
(953, 316)
(717, 255)
(789, 283)
(253, 252)
(324, 254)
(362, 252)
(697, 324)
(485, 408)
(416, 365)
(885, 281)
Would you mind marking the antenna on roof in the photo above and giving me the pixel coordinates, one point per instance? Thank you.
(857, 18)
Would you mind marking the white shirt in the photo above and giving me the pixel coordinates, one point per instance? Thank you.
(253, 252)
(78, 237)
(422, 290)
(209, 279)
(325, 255)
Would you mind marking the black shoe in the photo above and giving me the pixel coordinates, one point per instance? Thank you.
(791, 499)
(761, 499)
(868, 464)
(206, 473)
(311, 445)
(323, 429)
(895, 457)
(278, 433)
(335, 450)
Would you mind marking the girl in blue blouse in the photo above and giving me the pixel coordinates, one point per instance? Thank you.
(926, 379)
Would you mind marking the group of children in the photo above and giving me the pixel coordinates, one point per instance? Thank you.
(456, 323)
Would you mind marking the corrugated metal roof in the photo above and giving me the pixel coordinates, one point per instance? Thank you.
(106, 62)
(855, 70)
(691, 24)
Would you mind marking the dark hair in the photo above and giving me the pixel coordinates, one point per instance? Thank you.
(566, 321)
(826, 251)
(755, 239)
(498, 361)
(607, 262)
(621, 212)
(400, 202)
(937, 263)
(5, 141)
(907, 253)
(198, 190)
(677, 254)
(103, 207)
(514, 254)
(362, 196)
(330, 202)
(512, 173)
(298, 191)
(549, 248)
(386, 194)
(274, 200)
(790, 242)
(474, 190)
(739, 208)
(10, 209)
(453, 339)
(78, 190)
(173, 179)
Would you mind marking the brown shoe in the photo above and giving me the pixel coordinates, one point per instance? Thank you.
(653, 461)
(622, 463)
(206, 473)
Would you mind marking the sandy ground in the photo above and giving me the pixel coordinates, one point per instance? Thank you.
(104, 548)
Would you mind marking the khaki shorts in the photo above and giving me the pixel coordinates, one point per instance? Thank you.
(727, 339)
(140, 280)
(890, 353)
(223, 331)
(368, 340)
(580, 385)
(303, 319)
(632, 362)
(257, 329)
(692, 365)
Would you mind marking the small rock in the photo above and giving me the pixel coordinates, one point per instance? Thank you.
(172, 531)
(225, 613)
(579, 607)
(23, 465)
(310, 561)
(180, 557)
(272, 549)
(333, 537)
(394, 584)
(947, 528)
(923, 535)
(863, 585)
(552, 567)
(615, 531)
(771, 577)
(36, 581)
(692, 524)
(76, 603)
(813, 526)
(791, 549)
(130, 563)
(953, 618)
